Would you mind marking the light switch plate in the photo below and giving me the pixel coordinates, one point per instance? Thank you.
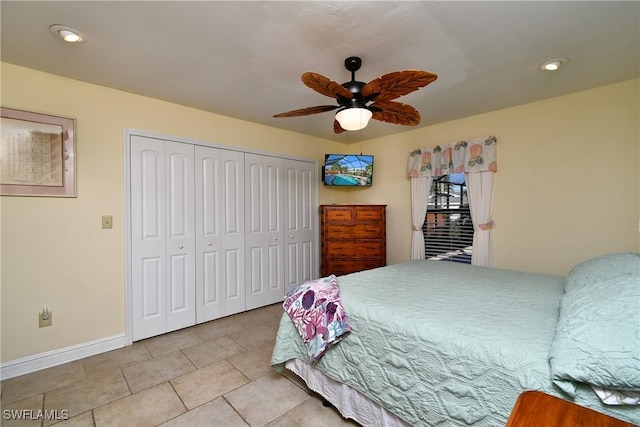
(107, 221)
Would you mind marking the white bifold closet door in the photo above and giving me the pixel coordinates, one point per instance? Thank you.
(280, 227)
(220, 265)
(163, 239)
(264, 234)
(299, 222)
(215, 232)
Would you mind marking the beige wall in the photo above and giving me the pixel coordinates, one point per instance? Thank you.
(54, 251)
(568, 180)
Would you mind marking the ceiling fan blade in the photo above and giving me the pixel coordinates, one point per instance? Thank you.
(307, 111)
(325, 86)
(337, 128)
(395, 112)
(396, 84)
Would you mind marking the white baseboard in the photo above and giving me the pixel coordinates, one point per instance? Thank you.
(52, 358)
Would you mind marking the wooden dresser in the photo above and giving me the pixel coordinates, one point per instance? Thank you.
(352, 238)
(536, 409)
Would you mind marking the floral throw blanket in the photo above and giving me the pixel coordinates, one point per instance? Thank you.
(316, 310)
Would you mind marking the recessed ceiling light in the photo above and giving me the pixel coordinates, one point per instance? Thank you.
(68, 34)
(553, 64)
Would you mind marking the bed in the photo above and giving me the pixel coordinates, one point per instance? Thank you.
(434, 343)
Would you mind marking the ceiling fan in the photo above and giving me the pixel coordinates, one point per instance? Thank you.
(358, 101)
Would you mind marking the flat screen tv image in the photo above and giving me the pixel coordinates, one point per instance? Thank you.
(348, 170)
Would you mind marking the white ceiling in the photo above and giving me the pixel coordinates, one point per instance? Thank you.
(244, 59)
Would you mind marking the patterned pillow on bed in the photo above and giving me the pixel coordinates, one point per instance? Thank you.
(316, 310)
(598, 333)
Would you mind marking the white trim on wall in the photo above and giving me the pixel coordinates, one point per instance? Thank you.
(60, 356)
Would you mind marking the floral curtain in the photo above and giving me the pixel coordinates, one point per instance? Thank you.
(477, 155)
(469, 157)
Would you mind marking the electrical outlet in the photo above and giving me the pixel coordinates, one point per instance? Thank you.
(107, 221)
(45, 317)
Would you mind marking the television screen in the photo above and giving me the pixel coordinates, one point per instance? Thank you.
(348, 170)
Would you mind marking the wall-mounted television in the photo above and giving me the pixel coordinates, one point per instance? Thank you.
(349, 170)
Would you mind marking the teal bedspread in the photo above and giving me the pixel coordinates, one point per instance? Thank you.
(440, 343)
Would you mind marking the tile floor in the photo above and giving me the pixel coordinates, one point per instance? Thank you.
(213, 374)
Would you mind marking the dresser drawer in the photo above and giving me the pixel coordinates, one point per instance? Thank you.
(342, 266)
(355, 249)
(338, 214)
(369, 214)
(357, 231)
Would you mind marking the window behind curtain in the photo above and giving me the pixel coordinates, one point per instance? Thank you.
(448, 230)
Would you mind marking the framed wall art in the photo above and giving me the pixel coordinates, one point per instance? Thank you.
(37, 154)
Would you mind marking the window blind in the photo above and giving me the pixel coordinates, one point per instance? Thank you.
(448, 229)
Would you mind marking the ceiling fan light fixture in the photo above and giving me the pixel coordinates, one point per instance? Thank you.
(354, 118)
(553, 64)
(68, 34)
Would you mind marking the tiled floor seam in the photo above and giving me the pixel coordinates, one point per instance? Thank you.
(181, 401)
(126, 382)
(235, 410)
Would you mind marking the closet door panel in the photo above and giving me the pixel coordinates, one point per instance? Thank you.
(220, 233)
(234, 288)
(209, 279)
(211, 282)
(256, 269)
(181, 235)
(264, 231)
(179, 274)
(152, 291)
(208, 206)
(300, 220)
(148, 234)
(233, 242)
(275, 254)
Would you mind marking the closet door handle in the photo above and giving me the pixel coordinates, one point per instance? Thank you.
(209, 243)
(181, 247)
